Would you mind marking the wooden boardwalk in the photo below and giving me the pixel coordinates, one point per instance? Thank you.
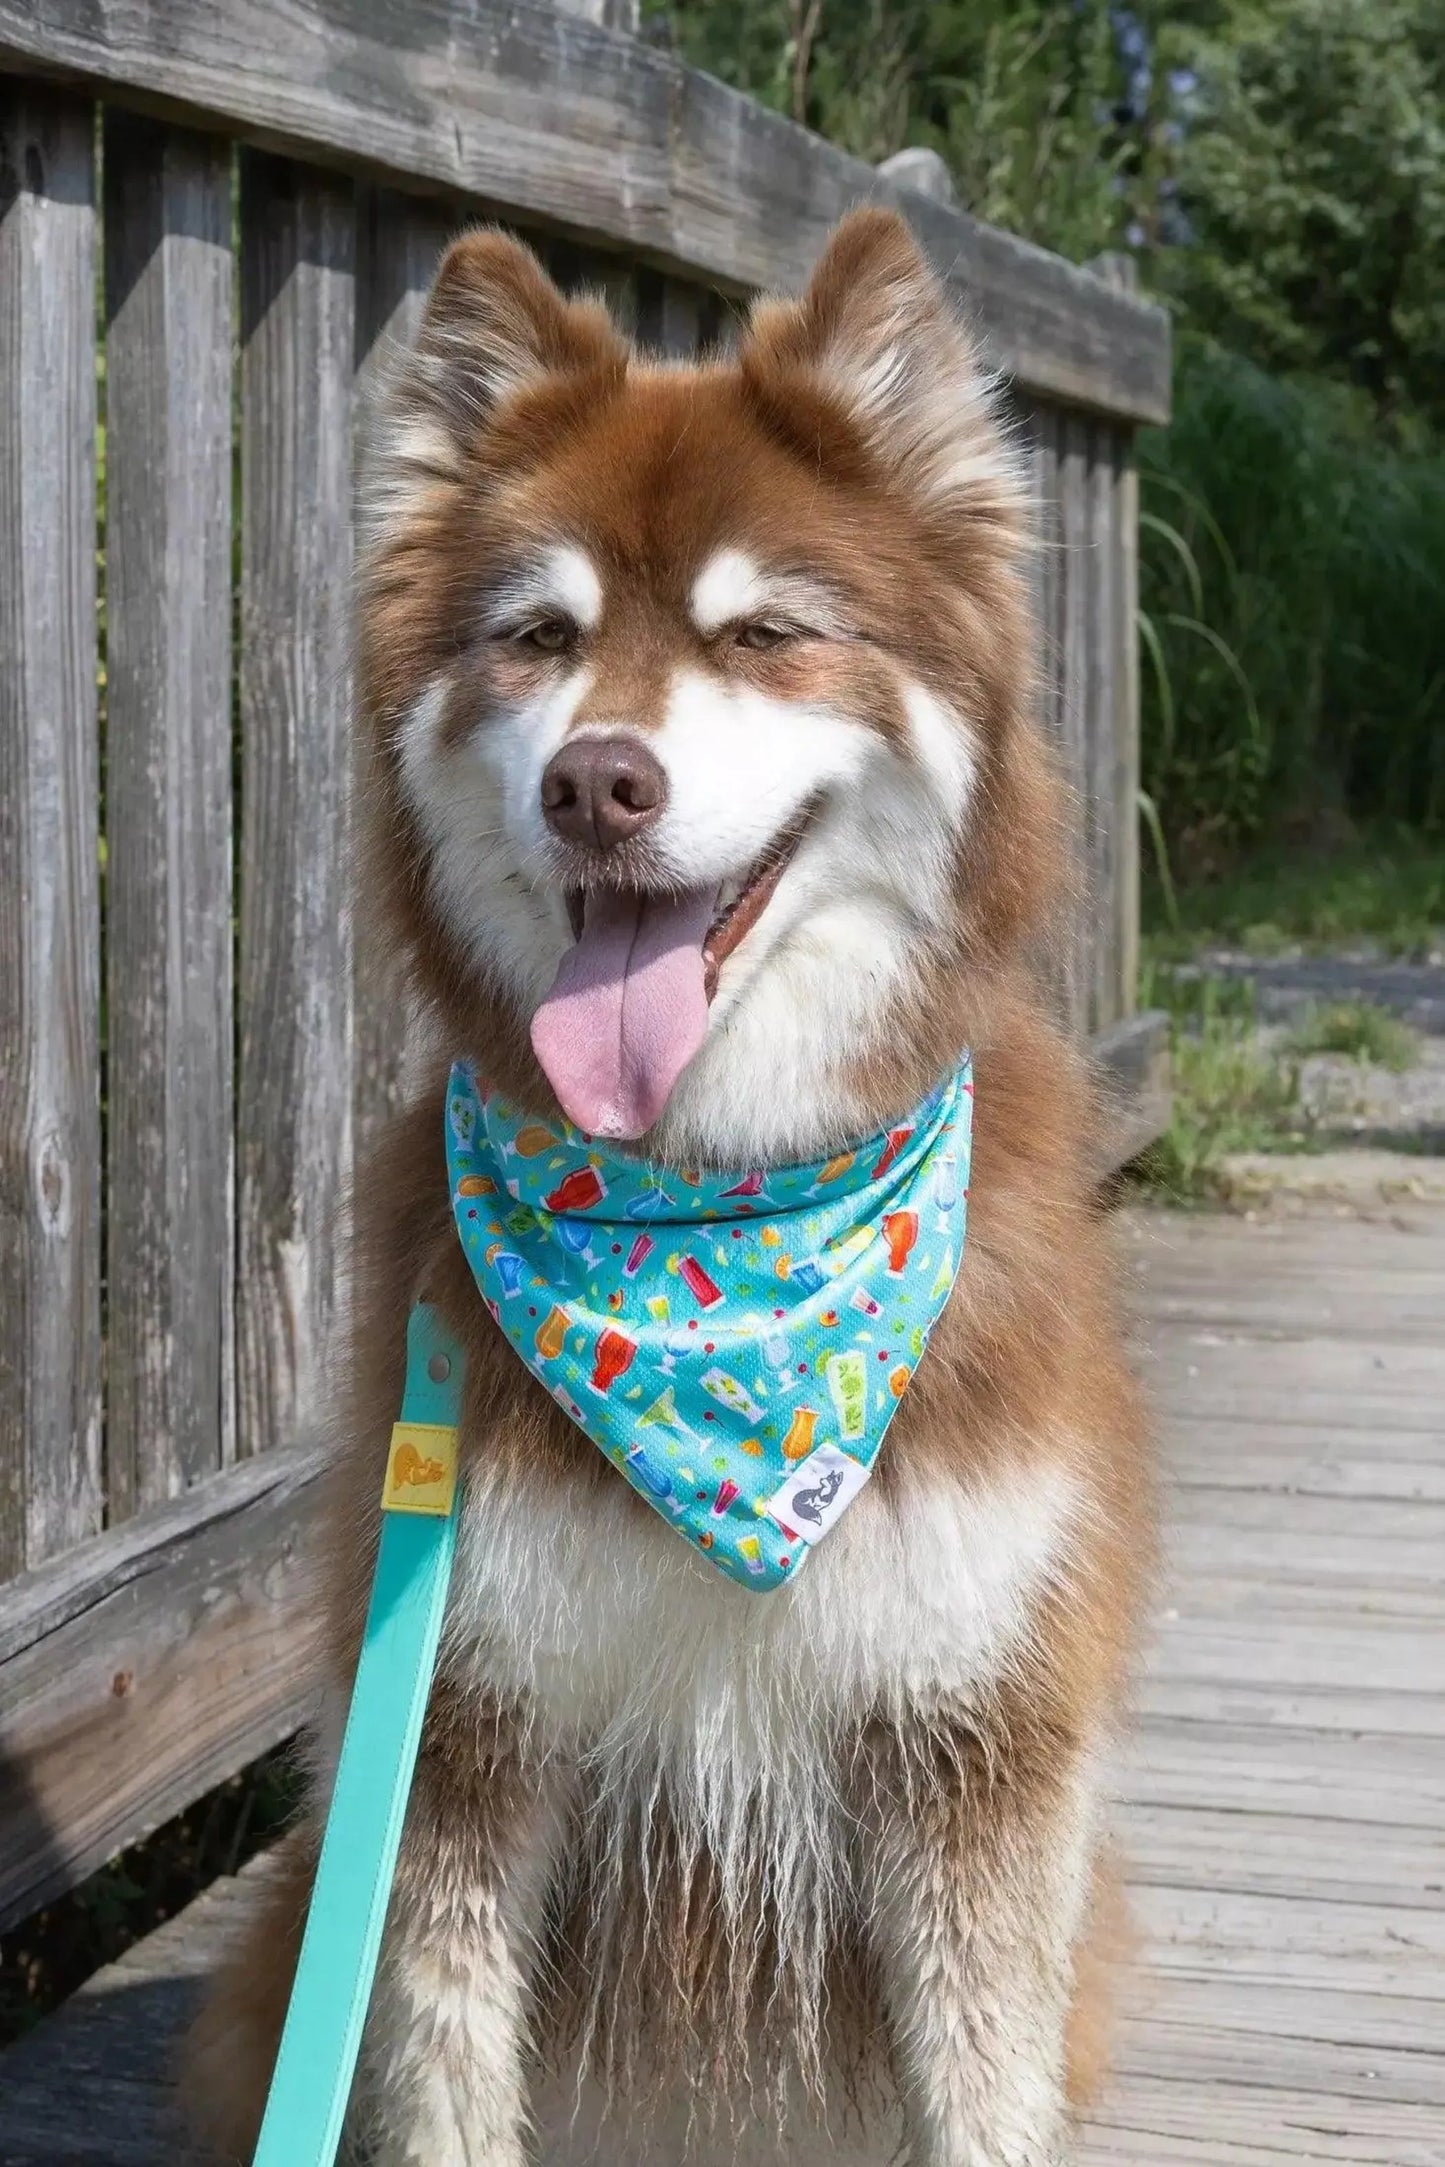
(1285, 1801)
(1286, 1797)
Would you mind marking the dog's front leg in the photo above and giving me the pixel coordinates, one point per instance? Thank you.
(443, 2076)
(978, 1869)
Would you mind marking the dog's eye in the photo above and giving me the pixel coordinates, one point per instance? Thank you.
(548, 636)
(762, 635)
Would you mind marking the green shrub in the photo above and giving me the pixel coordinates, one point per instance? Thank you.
(1293, 593)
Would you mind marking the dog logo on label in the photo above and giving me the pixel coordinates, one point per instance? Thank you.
(810, 1505)
(816, 1492)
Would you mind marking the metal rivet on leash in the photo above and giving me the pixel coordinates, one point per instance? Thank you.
(439, 1368)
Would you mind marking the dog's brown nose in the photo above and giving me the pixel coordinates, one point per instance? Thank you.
(601, 790)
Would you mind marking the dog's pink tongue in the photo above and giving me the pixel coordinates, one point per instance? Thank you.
(627, 1010)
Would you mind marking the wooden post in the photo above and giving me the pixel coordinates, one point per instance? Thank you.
(1126, 695)
(293, 1110)
(1073, 632)
(168, 799)
(50, 1172)
(1103, 730)
(1121, 271)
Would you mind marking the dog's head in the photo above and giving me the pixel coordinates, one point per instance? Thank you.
(700, 695)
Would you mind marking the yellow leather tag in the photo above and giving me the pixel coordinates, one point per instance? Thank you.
(421, 1468)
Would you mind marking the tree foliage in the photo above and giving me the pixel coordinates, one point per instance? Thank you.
(1278, 164)
(1310, 177)
(1016, 94)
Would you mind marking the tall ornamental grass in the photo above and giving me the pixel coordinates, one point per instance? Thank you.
(1292, 587)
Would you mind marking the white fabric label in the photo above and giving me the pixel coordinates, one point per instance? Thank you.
(816, 1491)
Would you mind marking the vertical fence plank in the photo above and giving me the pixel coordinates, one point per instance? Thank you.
(1126, 720)
(720, 323)
(1043, 427)
(681, 319)
(293, 1125)
(50, 1324)
(670, 315)
(647, 324)
(616, 281)
(399, 240)
(1072, 636)
(580, 271)
(1121, 270)
(168, 806)
(1101, 730)
(569, 265)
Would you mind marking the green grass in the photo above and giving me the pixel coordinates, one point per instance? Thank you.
(1385, 886)
(1229, 1093)
(1360, 1029)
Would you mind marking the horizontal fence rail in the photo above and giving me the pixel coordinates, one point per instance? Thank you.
(214, 225)
(542, 116)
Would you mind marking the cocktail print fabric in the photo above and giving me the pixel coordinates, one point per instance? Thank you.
(736, 1344)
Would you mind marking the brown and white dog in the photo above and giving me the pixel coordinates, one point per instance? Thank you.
(738, 655)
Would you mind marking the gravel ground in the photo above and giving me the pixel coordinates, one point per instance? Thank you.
(1358, 1100)
(1285, 986)
(1354, 1102)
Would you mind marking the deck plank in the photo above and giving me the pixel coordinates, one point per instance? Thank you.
(1283, 1800)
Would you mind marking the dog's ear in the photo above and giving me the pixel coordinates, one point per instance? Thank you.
(495, 324)
(494, 328)
(876, 334)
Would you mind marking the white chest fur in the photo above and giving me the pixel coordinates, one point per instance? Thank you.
(615, 1630)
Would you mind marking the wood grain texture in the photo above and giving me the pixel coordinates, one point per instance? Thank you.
(169, 336)
(1102, 721)
(1073, 629)
(1121, 271)
(399, 241)
(1086, 594)
(1131, 1061)
(554, 121)
(294, 1110)
(158, 1662)
(1042, 426)
(116, 2040)
(1125, 888)
(50, 1177)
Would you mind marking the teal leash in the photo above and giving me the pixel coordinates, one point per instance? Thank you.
(319, 2046)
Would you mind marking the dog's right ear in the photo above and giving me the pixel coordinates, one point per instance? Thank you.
(495, 324)
(494, 328)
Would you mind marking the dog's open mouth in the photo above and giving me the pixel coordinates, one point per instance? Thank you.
(628, 1008)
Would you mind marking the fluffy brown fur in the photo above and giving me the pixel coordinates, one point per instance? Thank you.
(520, 415)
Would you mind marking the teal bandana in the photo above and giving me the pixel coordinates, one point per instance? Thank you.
(736, 1343)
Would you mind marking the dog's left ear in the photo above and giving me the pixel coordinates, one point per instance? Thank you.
(876, 334)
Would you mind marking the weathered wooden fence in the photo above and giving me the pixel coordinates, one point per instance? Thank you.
(212, 219)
